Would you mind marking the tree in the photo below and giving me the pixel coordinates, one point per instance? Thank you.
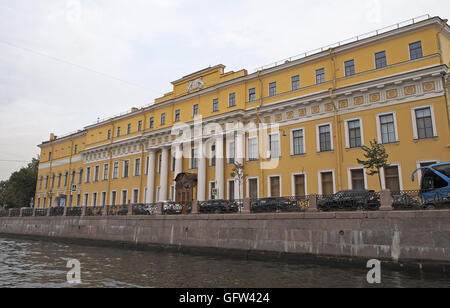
(3, 185)
(21, 186)
(238, 174)
(376, 159)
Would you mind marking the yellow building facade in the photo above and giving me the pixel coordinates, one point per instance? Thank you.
(297, 127)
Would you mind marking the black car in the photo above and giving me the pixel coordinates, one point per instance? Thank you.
(350, 200)
(275, 204)
(405, 202)
(218, 206)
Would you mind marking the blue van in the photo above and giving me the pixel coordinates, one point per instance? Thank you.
(435, 186)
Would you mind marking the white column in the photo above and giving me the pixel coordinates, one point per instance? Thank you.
(178, 152)
(240, 144)
(151, 178)
(201, 177)
(164, 179)
(220, 174)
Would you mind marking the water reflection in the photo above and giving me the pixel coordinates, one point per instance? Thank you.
(31, 264)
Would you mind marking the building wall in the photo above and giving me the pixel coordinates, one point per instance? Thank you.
(398, 88)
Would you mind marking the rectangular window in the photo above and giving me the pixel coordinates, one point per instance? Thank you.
(113, 198)
(350, 68)
(213, 156)
(298, 142)
(252, 95)
(415, 50)
(174, 161)
(299, 185)
(139, 126)
(387, 126)
(126, 168)
(135, 196)
(103, 198)
(195, 110)
(159, 163)
(424, 123)
(194, 159)
(116, 170)
(86, 199)
(88, 174)
(124, 197)
(320, 76)
(358, 179)
(66, 179)
(231, 152)
(295, 82)
(354, 134)
(275, 186)
(274, 141)
(325, 138)
(163, 119)
(253, 149)
(253, 188)
(215, 105)
(75, 150)
(213, 190)
(272, 89)
(137, 167)
(94, 199)
(152, 122)
(59, 180)
(128, 129)
(380, 59)
(177, 115)
(327, 183)
(78, 200)
(392, 178)
(231, 195)
(232, 100)
(108, 137)
(105, 172)
(96, 173)
(118, 131)
(50, 156)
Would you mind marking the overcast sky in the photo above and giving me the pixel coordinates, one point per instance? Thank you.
(65, 63)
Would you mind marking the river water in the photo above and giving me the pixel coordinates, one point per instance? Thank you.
(37, 264)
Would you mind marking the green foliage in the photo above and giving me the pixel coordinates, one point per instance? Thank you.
(21, 186)
(376, 159)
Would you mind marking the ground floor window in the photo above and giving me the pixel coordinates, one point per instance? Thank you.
(253, 188)
(358, 179)
(135, 196)
(275, 190)
(299, 185)
(392, 179)
(327, 183)
(231, 195)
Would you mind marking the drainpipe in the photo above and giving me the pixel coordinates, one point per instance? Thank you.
(339, 157)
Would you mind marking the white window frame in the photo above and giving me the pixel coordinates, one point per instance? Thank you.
(210, 189)
(248, 186)
(229, 190)
(97, 179)
(349, 176)
(140, 167)
(86, 199)
(123, 169)
(111, 197)
(269, 150)
(400, 177)
(318, 136)
(319, 176)
(248, 147)
(380, 136)
(104, 196)
(414, 121)
(347, 133)
(292, 141)
(122, 195)
(105, 178)
(293, 182)
(138, 195)
(88, 175)
(96, 199)
(269, 187)
(229, 150)
(115, 177)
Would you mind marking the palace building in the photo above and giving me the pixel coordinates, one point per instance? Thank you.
(391, 86)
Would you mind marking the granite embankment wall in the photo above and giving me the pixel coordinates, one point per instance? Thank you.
(416, 237)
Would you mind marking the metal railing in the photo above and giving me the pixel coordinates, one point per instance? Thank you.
(56, 211)
(40, 212)
(117, 210)
(280, 204)
(74, 211)
(27, 212)
(94, 211)
(347, 41)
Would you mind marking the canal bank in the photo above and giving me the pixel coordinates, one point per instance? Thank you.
(413, 240)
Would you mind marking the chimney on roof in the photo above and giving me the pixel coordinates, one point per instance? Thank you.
(134, 109)
(52, 137)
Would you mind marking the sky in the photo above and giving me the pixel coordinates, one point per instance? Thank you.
(66, 63)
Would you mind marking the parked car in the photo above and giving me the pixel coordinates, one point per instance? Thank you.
(275, 204)
(351, 200)
(218, 206)
(171, 208)
(405, 202)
